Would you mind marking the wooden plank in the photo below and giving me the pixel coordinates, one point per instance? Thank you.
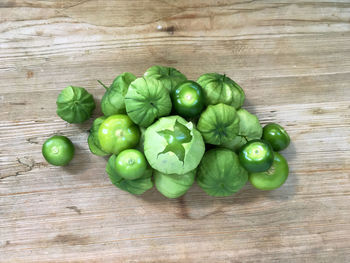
(291, 58)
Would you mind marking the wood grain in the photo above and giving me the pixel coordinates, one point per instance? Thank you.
(291, 57)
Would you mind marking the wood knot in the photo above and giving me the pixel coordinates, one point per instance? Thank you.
(30, 74)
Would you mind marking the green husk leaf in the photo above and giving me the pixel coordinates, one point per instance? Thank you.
(75, 104)
(218, 124)
(219, 88)
(170, 77)
(147, 100)
(174, 185)
(173, 145)
(220, 173)
(113, 100)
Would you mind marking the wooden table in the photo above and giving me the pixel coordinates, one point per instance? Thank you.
(291, 57)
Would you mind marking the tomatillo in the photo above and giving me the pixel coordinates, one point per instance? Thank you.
(256, 156)
(131, 164)
(273, 177)
(188, 99)
(58, 150)
(118, 133)
(277, 136)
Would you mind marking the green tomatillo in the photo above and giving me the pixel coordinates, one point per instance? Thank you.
(113, 100)
(188, 99)
(276, 136)
(131, 164)
(170, 77)
(218, 124)
(272, 178)
(174, 185)
(75, 104)
(220, 173)
(146, 100)
(58, 150)
(118, 133)
(256, 156)
(137, 186)
(173, 146)
(219, 88)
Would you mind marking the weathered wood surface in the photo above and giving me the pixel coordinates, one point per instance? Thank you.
(293, 60)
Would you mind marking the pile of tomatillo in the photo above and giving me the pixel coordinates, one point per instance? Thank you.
(165, 130)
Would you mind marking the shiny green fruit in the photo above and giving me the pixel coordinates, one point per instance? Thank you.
(272, 178)
(188, 99)
(131, 164)
(118, 133)
(256, 156)
(58, 150)
(277, 136)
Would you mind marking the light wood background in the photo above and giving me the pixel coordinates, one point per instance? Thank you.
(291, 57)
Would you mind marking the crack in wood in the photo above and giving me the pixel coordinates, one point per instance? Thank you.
(32, 140)
(70, 239)
(26, 164)
(74, 208)
(183, 208)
